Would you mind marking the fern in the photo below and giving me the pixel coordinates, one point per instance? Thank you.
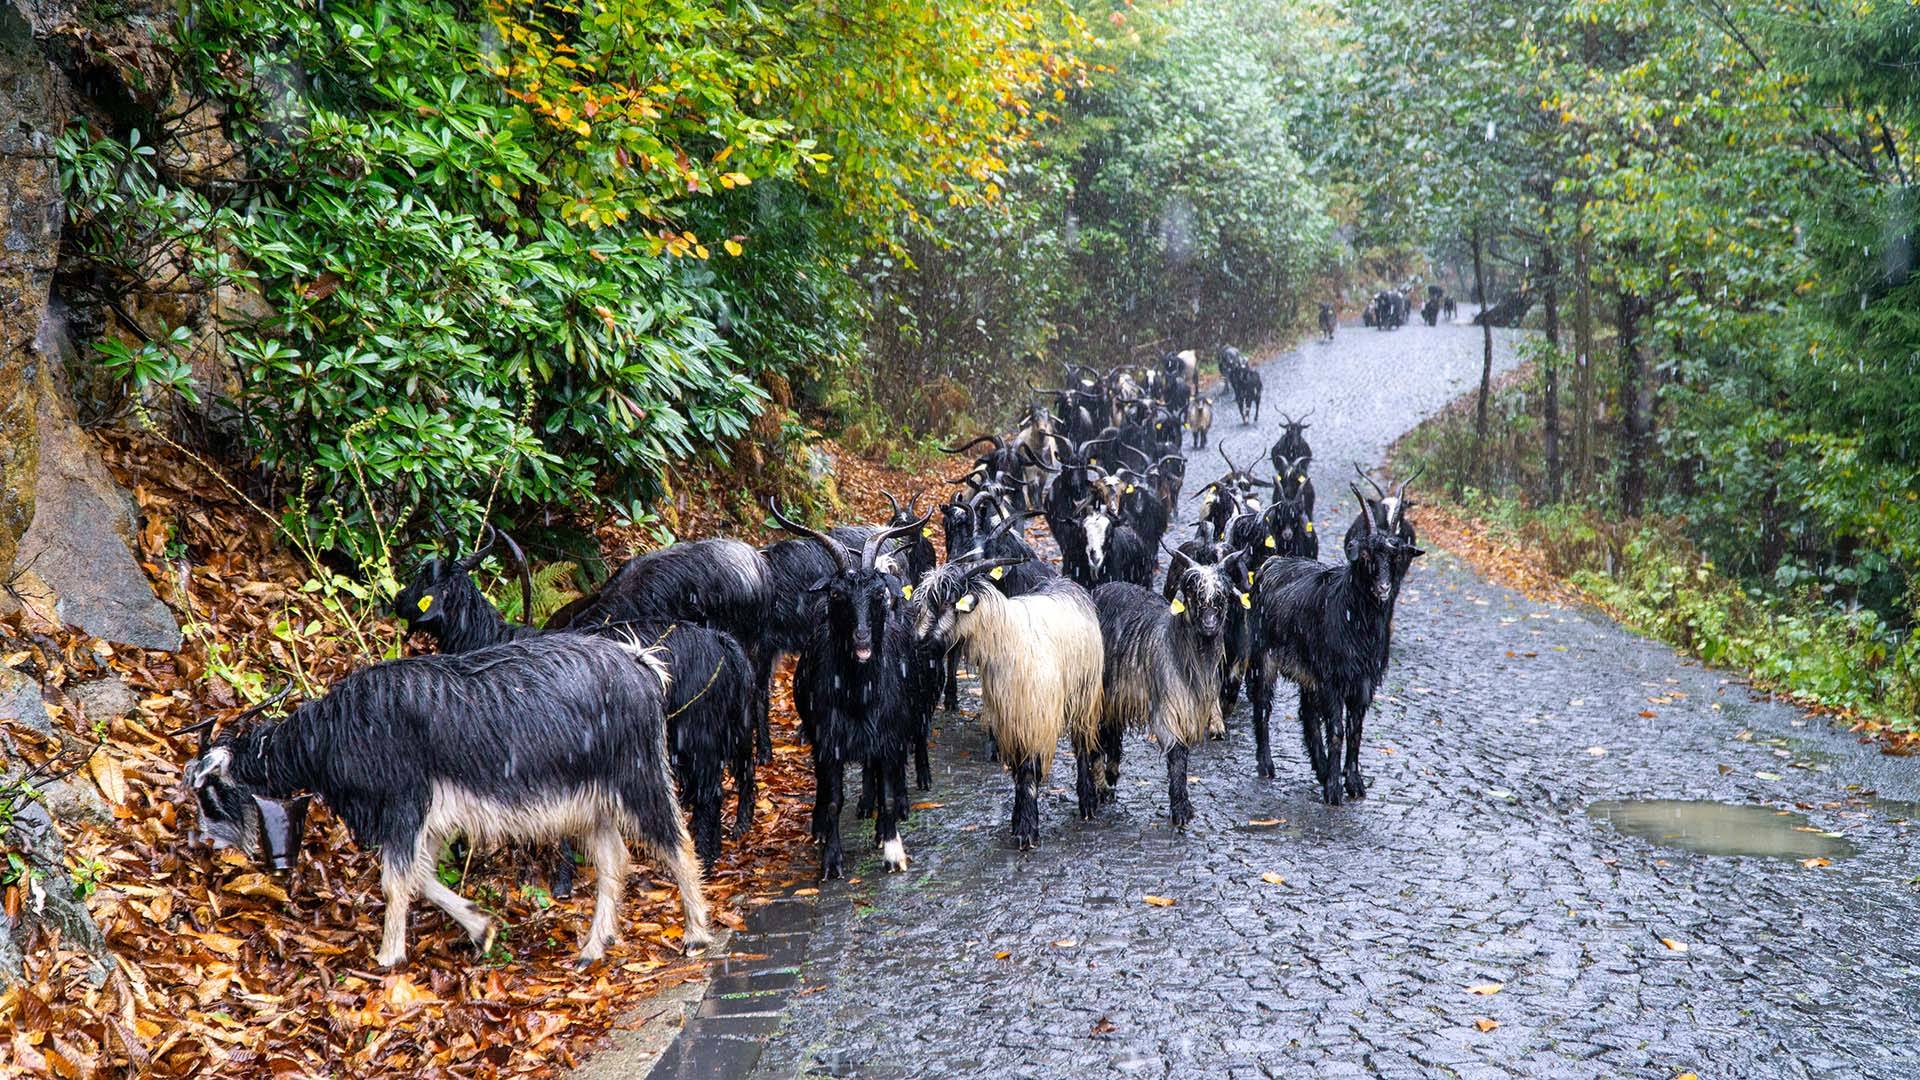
(552, 590)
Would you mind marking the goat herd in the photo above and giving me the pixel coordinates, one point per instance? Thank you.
(645, 692)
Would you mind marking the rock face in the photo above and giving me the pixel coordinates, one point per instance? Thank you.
(30, 216)
(75, 560)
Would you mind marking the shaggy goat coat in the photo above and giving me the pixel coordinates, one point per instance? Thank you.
(1160, 676)
(553, 736)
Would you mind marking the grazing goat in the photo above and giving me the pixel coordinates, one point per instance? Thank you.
(1161, 676)
(1325, 628)
(560, 735)
(851, 689)
(710, 704)
(1041, 667)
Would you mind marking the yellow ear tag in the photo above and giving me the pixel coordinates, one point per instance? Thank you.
(997, 573)
(906, 591)
(1176, 607)
(1302, 478)
(1309, 526)
(1270, 542)
(1246, 600)
(1249, 577)
(426, 602)
(1129, 490)
(965, 603)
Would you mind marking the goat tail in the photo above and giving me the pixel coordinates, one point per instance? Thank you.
(650, 655)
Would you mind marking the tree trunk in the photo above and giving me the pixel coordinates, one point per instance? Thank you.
(1486, 364)
(1550, 396)
(1582, 353)
(1636, 404)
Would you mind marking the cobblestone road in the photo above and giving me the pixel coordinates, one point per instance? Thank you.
(1473, 861)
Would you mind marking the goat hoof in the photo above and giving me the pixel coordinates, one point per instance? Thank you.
(392, 963)
(483, 942)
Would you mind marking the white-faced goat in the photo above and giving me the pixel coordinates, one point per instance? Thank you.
(1326, 628)
(1041, 665)
(1162, 675)
(560, 735)
(852, 690)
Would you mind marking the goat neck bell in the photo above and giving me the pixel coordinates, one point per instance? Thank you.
(283, 823)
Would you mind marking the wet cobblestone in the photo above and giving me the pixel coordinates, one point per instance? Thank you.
(1472, 861)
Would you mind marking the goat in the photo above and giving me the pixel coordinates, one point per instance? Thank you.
(536, 739)
(1161, 676)
(1292, 443)
(1041, 667)
(1244, 381)
(1291, 482)
(710, 704)
(851, 689)
(1325, 628)
(1200, 420)
(1234, 569)
(1389, 512)
(1328, 320)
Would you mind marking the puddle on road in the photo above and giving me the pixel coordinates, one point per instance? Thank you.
(1714, 828)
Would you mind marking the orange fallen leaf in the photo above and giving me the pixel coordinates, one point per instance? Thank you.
(1486, 989)
(1263, 822)
(1486, 1024)
(257, 885)
(1159, 901)
(928, 805)
(1676, 946)
(809, 891)
(1003, 954)
(1648, 713)
(1065, 943)
(1815, 863)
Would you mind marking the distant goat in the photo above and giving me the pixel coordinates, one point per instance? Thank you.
(554, 736)
(1327, 321)
(1200, 420)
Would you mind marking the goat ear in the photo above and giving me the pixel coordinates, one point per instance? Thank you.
(965, 603)
(1414, 553)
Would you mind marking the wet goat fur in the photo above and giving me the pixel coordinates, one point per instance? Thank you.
(1161, 675)
(710, 704)
(560, 735)
(1326, 629)
(1041, 668)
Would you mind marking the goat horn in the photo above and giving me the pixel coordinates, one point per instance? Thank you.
(1401, 491)
(891, 502)
(872, 549)
(834, 550)
(913, 502)
(976, 441)
(1223, 457)
(1363, 475)
(970, 476)
(1365, 510)
(526, 578)
(487, 530)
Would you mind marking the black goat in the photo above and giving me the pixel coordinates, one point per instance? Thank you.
(559, 735)
(710, 703)
(1161, 676)
(1244, 381)
(851, 689)
(1292, 443)
(1325, 628)
(1291, 482)
(1328, 320)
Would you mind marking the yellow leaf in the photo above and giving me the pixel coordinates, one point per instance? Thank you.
(1159, 901)
(1687, 1076)
(1485, 1024)
(1486, 989)
(1815, 863)
(733, 247)
(1263, 822)
(257, 885)
(1676, 946)
(108, 776)
(1272, 878)
(1065, 943)
(1002, 955)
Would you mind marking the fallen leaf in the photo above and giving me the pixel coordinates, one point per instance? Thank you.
(1815, 863)
(257, 885)
(809, 891)
(1272, 878)
(1486, 1024)
(928, 805)
(1686, 1076)
(1648, 713)
(1065, 943)
(1263, 822)
(1597, 751)
(108, 776)
(1486, 989)
(1676, 946)
(1767, 776)
(1159, 901)
(1003, 954)
(1102, 1026)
